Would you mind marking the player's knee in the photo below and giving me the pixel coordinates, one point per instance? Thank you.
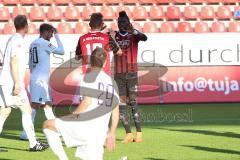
(132, 102)
(50, 124)
(47, 124)
(121, 116)
(124, 119)
(136, 117)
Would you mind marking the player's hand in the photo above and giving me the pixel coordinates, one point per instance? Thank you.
(103, 27)
(112, 33)
(55, 31)
(130, 28)
(119, 52)
(16, 89)
(110, 142)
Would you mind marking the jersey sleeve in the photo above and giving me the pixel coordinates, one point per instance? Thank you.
(78, 52)
(49, 47)
(16, 48)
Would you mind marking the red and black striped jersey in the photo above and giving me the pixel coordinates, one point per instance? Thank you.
(127, 62)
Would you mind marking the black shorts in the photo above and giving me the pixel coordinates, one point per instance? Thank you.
(127, 83)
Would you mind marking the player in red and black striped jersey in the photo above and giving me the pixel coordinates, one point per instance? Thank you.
(126, 73)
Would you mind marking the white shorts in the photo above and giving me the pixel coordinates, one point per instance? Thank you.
(40, 92)
(8, 100)
(82, 135)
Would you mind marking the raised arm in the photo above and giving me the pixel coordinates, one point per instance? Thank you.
(139, 35)
(59, 50)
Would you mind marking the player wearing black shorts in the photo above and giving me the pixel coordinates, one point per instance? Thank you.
(126, 76)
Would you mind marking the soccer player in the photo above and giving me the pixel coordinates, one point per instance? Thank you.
(39, 64)
(89, 135)
(12, 90)
(95, 38)
(126, 76)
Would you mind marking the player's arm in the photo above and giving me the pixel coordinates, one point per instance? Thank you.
(15, 75)
(78, 52)
(139, 35)
(14, 63)
(114, 45)
(111, 137)
(59, 50)
(82, 107)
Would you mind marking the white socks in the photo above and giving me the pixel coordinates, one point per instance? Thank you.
(55, 143)
(2, 120)
(24, 135)
(49, 113)
(28, 127)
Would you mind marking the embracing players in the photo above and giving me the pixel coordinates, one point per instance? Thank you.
(88, 135)
(39, 64)
(12, 88)
(126, 76)
(95, 38)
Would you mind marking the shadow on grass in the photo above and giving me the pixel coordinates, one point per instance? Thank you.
(16, 149)
(14, 136)
(118, 140)
(150, 158)
(208, 149)
(205, 132)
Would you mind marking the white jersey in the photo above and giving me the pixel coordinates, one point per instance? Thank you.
(105, 84)
(15, 47)
(39, 59)
(89, 136)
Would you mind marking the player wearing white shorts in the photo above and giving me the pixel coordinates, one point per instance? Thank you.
(89, 132)
(12, 90)
(39, 64)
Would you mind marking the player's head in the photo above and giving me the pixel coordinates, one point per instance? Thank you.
(96, 21)
(98, 58)
(21, 24)
(123, 21)
(46, 31)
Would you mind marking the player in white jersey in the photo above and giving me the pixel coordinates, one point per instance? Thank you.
(39, 64)
(87, 128)
(12, 90)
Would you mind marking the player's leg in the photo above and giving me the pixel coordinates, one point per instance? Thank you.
(4, 113)
(34, 106)
(132, 90)
(50, 130)
(48, 111)
(123, 109)
(27, 123)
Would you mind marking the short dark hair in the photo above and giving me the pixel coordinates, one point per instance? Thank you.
(98, 57)
(123, 15)
(45, 27)
(96, 20)
(20, 22)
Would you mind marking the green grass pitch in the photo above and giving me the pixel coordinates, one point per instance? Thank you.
(171, 132)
